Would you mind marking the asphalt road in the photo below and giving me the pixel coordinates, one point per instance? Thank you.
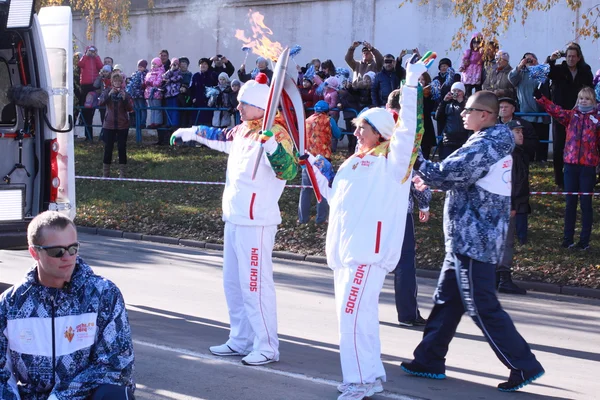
(177, 310)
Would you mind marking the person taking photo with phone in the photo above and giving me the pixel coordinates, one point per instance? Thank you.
(450, 122)
(372, 60)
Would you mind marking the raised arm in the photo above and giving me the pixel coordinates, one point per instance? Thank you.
(216, 138)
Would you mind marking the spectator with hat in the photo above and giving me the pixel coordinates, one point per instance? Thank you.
(525, 85)
(135, 88)
(450, 122)
(220, 64)
(519, 211)
(497, 79)
(200, 81)
(89, 65)
(443, 81)
(251, 214)
(372, 60)
(385, 82)
(261, 66)
(506, 114)
(320, 129)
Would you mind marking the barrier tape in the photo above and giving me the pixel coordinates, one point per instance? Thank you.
(99, 178)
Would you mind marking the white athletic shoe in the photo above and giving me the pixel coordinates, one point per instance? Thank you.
(224, 350)
(358, 391)
(377, 386)
(257, 358)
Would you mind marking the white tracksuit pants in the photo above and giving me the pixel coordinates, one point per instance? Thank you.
(249, 288)
(357, 291)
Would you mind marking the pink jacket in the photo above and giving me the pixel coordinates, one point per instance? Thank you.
(153, 82)
(472, 65)
(331, 97)
(89, 66)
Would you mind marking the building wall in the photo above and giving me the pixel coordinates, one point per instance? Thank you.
(323, 28)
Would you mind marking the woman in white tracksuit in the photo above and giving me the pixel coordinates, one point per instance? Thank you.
(368, 208)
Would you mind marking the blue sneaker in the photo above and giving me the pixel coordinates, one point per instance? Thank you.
(420, 371)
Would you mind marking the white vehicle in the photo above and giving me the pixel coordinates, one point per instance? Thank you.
(36, 105)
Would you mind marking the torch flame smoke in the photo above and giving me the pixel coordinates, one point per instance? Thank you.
(259, 41)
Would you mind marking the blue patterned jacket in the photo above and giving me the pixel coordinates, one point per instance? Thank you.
(63, 342)
(476, 179)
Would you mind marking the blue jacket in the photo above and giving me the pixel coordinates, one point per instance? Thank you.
(86, 332)
(476, 179)
(385, 82)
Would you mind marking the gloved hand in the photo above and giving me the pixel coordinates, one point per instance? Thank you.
(268, 142)
(537, 93)
(183, 135)
(414, 69)
(325, 167)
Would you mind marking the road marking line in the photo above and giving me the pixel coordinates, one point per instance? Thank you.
(225, 360)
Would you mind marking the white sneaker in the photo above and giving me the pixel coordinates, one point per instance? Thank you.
(377, 386)
(258, 358)
(224, 350)
(358, 391)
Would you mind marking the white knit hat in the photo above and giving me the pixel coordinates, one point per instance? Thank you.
(224, 75)
(458, 86)
(255, 92)
(381, 120)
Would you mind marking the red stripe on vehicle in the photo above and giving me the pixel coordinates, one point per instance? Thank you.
(252, 205)
(378, 238)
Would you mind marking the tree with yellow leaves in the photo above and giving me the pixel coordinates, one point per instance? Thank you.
(112, 14)
(496, 16)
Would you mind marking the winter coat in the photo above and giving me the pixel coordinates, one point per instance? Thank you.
(200, 81)
(385, 82)
(428, 110)
(360, 67)
(525, 86)
(477, 208)
(65, 342)
(497, 79)
(186, 78)
(450, 123)
(136, 84)
(348, 98)
(90, 67)
(320, 128)
(530, 137)
(583, 133)
(472, 64)
(173, 80)
(564, 87)
(519, 197)
(442, 83)
(228, 68)
(118, 107)
(245, 77)
(222, 119)
(154, 83)
(331, 97)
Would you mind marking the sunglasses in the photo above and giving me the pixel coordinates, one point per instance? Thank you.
(59, 251)
(469, 110)
(388, 61)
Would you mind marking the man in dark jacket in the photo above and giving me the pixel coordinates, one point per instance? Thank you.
(567, 80)
(450, 122)
(506, 114)
(519, 210)
(385, 81)
(220, 64)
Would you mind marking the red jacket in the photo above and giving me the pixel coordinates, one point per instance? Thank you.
(89, 66)
(583, 133)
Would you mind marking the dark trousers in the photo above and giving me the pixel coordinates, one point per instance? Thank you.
(467, 285)
(579, 178)
(350, 127)
(543, 133)
(112, 392)
(522, 222)
(469, 89)
(306, 195)
(87, 113)
(405, 278)
(110, 137)
(559, 136)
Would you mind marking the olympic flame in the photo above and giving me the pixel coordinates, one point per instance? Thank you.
(259, 40)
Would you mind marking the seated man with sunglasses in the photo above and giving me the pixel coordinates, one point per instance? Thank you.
(64, 331)
(477, 181)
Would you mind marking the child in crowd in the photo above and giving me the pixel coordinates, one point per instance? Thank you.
(152, 93)
(581, 158)
(519, 211)
(332, 85)
(116, 124)
(118, 68)
(450, 122)
(172, 79)
(363, 87)
(184, 98)
(135, 88)
(472, 65)
(222, 99)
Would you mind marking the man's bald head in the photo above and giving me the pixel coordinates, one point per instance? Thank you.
(486, 100)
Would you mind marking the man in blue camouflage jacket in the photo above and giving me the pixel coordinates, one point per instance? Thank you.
(476, 179)
(64, 332)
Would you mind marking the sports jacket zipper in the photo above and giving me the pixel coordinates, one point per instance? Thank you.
(52, 298)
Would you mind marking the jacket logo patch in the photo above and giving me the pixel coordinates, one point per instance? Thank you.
(26, 336)
(354, 166)
(365, 163)
(69, 334)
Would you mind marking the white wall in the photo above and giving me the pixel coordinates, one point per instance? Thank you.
(324, 29)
